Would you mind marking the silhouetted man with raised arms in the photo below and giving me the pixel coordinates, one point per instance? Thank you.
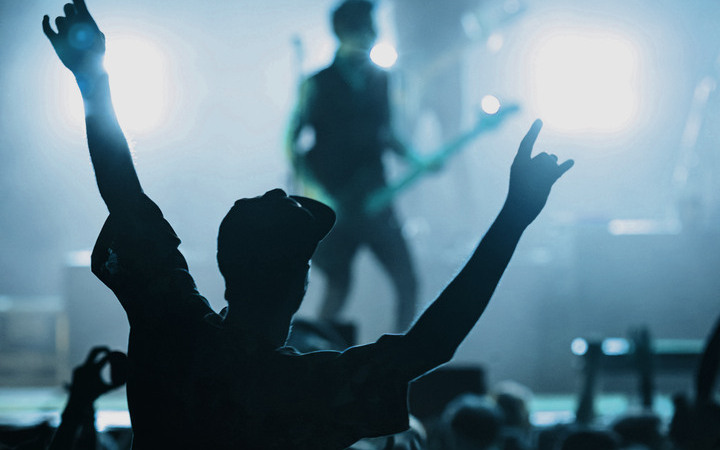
(197, 379)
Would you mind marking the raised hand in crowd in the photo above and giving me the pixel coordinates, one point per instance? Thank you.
(77, 428)
(531, 178)
(696, 421)
(78, 41)
(448, 320)
(80, 45)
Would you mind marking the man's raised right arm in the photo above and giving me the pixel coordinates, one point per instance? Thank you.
(446, 322)
(80, 45)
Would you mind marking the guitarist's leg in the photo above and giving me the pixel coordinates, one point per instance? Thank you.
(334, 258)
(385, 240)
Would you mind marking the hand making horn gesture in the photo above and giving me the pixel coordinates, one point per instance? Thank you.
(531, 178)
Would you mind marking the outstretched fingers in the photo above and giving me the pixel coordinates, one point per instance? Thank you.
(526, 146)
(548, 164)
(564, 167)
(69, 10)
(92, 356)
(102, 361)
(548, 161)
(76, 8)
(61, 24)
(47, 29)
(80, 7)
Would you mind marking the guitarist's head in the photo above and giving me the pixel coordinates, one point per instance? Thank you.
(264, 248)
(354, 26)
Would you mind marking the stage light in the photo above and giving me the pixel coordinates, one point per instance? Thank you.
(107, 419)
(620, 227)
(384, 55)
(579, 346)
(138, 81)
(586, 80)
(495, 42)
(615, 346)
(490, 104)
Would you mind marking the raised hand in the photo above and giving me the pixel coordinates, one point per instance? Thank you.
(88, 384)
(78, 41)
(531, 178)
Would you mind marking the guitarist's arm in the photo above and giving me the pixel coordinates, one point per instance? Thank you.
(297, 147)
(298, 121)
(301, 120)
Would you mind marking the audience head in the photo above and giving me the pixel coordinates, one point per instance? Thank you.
(695, 425)
(589, 439)
(640, 429)
(265, 244)
(472, 422)
(513, 398)
(353, 24)
(414, 438)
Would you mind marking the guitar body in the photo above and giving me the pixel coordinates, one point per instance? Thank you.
(346, 189)
(349, 121)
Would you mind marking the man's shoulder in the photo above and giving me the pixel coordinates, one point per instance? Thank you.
(287, 399)
(386, 353)
(382, 355)
(324, 75)
(333, 72)
(135, 246)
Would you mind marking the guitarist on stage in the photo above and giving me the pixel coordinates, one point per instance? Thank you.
(346, 106)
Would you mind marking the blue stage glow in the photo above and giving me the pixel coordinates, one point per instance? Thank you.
(138, 81)
(586, 80)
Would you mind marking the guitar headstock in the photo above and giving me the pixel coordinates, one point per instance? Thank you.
(488, 121)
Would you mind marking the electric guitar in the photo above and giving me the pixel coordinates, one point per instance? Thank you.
(377, 200)
(381, 198)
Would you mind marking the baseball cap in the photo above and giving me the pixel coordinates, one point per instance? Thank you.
(271, 227)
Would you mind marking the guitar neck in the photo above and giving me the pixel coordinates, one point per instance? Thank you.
(382, 198)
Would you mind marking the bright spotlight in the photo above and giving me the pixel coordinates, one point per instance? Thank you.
(139, 82)
(615, 346)
(586, 80)
(495, 42)
(384, 55)
(490, 104)
(579, 346)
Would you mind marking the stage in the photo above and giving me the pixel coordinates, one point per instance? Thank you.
(30, 406)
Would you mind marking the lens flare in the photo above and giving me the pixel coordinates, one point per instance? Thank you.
(384, 55)
(586, 81)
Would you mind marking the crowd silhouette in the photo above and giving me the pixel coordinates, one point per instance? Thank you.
(240, 378)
